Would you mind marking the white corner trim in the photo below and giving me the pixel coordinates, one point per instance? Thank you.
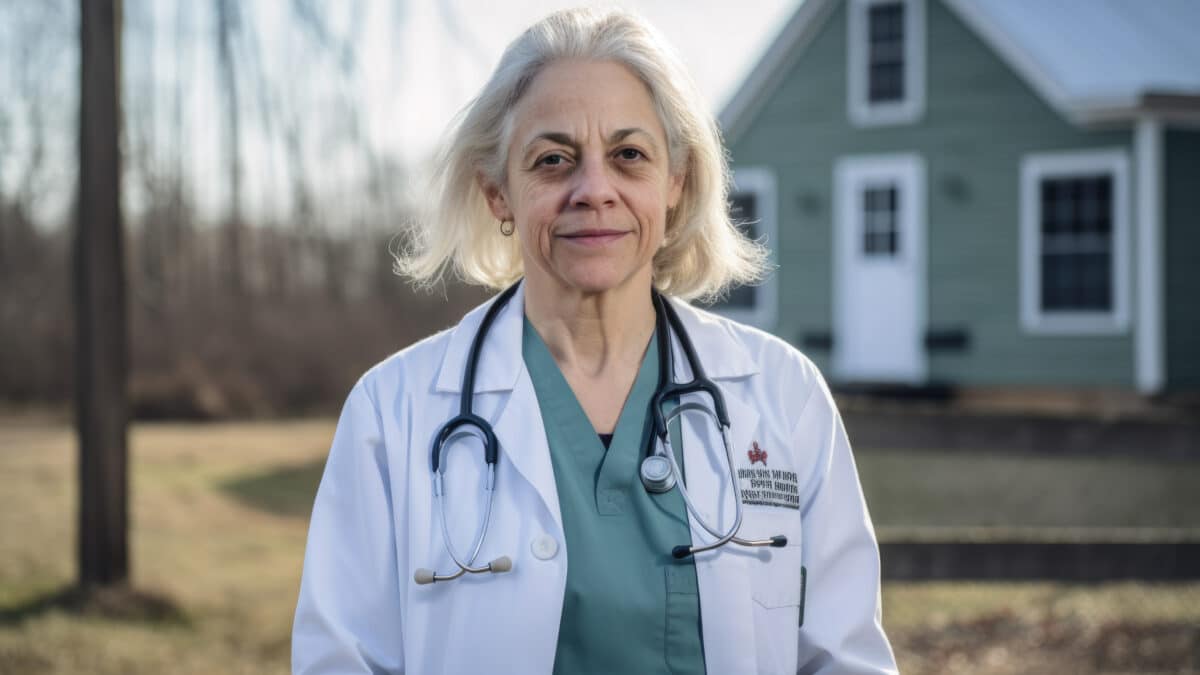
(1034, 168)
(760, 181)
(1149, 348)
(859, 109)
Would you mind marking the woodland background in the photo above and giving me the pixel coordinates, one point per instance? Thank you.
(260, 282)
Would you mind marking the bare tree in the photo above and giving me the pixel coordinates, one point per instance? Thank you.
(227, 24)
(102, 409)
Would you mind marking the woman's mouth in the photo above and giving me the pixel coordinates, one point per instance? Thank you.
(593, 237)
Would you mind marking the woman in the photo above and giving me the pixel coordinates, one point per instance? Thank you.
(587, 170)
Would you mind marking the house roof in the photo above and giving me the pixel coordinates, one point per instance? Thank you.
(1093, 60)
(1096, 59)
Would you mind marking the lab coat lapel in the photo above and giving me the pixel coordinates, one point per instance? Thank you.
(522, 435)
(723, 575)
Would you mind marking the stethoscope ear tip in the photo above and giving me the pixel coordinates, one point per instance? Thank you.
(423, 576)
(681, 552)
(778, 541)
(501, 564)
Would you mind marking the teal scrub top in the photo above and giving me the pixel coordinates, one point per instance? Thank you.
(629, 606)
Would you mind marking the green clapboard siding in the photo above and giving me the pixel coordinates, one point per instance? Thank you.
(1182, 220)
(980, 118)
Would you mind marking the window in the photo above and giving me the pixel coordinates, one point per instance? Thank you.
(879, 221)
(752, 208)
(886, 61)
(885, 52)
(1074, 232)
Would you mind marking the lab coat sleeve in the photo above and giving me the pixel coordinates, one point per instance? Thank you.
(842, 630)
(348, 617)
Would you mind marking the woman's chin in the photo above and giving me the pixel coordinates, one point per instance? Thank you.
(592, 280)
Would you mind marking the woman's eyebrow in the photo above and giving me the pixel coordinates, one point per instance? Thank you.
(561, 138)
(621, 134)
(556, 137)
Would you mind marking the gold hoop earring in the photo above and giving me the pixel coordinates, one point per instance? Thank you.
(507, 231)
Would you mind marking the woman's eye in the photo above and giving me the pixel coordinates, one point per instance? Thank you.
(552, 160)
(630, 153)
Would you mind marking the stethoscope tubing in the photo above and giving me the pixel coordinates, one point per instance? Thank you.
(721, 537)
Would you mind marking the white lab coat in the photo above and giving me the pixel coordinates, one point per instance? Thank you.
(373, 523)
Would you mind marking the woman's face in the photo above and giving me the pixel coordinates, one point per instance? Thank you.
(589, 180)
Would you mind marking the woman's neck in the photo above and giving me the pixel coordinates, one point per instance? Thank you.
(592, 333)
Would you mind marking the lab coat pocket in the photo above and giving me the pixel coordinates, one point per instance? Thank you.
(779, 581)
(778, 588)
(775, 571)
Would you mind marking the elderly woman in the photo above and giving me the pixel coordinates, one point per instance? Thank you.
(586, 474)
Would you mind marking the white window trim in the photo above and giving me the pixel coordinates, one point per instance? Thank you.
(1034, 169)
(761, 182)
(859, 108)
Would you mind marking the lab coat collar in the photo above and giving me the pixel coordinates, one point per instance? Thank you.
(500, 363)
(722, 355)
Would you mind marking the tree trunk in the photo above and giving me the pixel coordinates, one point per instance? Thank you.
(102, 409)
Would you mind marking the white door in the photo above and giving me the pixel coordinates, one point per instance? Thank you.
(879, 269)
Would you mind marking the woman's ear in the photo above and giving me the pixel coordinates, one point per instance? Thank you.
(675, 189)
(497, 202)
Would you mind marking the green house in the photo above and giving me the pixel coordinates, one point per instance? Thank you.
(978, 192)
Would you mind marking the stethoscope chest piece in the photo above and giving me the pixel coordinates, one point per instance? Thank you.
(656, 474)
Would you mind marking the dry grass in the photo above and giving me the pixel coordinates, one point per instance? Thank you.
(946, 488)
(229, 565)
(218, 525)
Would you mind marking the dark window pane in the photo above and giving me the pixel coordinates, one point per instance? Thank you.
(743, 210)
(887, 82)
(885, 52)
(879, 217)
(886, 21)
(1095, 282)
(1076, 225)
(743, 207)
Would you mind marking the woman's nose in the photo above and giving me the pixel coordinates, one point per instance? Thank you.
(593, 185)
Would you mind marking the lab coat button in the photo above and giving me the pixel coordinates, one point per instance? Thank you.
(544, 547)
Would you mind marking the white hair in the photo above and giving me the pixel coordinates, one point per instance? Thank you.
(704, 253)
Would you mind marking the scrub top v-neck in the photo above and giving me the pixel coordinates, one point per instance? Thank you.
(629, 606)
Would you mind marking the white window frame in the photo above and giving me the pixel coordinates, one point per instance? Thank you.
(860, 110)
(1037, 167)
(761, 182)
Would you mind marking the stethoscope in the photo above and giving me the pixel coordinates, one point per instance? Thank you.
(659, 471)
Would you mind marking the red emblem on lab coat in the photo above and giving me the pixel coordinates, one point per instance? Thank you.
(757, 454)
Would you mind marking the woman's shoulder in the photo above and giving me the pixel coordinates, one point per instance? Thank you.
(764, 352)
